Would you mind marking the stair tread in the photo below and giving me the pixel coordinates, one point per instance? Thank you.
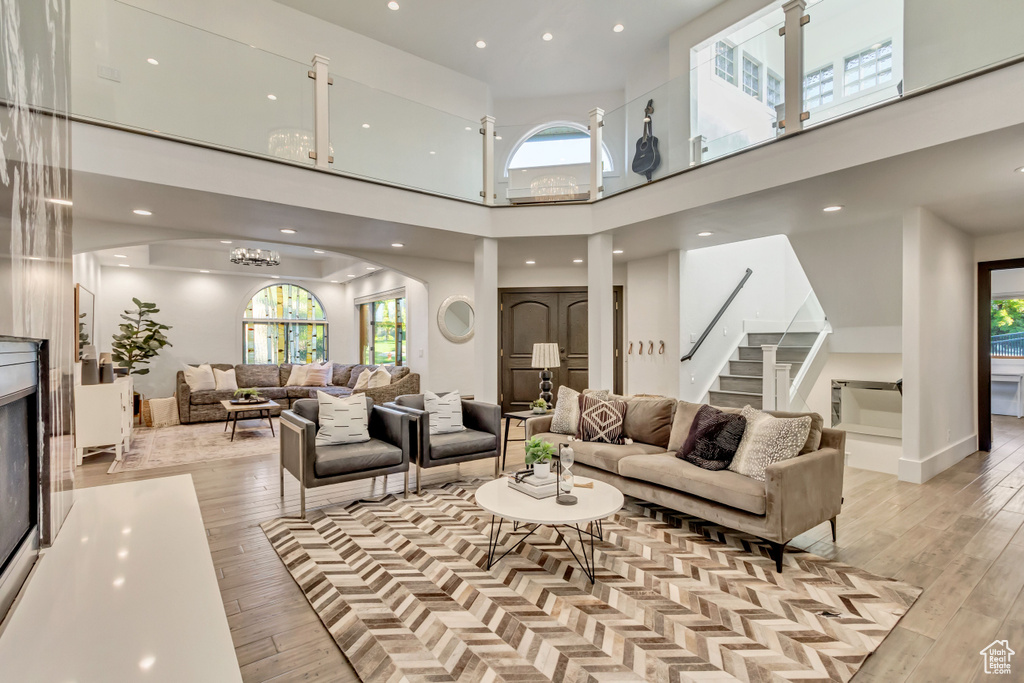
(786, 346)
(729, 376)
(737, 393)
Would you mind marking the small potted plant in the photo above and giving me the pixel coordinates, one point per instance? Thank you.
(248, 395)
(539, 454)
(540, 406)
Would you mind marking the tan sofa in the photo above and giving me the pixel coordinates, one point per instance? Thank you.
(272, 382)
(797, 494)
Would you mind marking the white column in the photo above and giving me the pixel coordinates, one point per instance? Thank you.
(321, 112)
(768, 352)
(596, 154)
(485, 308)
(794, 77)
(697, 150)
(600, 311)
(487, 131)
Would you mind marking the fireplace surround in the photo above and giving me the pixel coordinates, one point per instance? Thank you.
(23, 413)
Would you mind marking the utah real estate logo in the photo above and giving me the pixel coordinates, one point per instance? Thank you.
(997, 657)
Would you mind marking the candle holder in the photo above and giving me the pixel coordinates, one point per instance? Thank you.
(565, 479)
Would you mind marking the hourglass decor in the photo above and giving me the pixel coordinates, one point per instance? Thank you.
(566, 457)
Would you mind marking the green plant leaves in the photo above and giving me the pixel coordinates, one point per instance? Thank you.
(140, 339)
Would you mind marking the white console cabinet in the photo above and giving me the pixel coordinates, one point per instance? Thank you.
(103, 417)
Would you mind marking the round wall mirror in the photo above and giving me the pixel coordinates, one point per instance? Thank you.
(456, 318)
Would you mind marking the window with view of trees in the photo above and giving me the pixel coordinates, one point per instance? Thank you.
(382, 331)
(284, 324)
(1008, 328)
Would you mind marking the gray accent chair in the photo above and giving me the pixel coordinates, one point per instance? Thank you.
(388, 451)
(478, 441)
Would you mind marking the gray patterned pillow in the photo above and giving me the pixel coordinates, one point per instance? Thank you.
(768, 440)
(566, 419)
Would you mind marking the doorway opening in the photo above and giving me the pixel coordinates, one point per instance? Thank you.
(1000, 344)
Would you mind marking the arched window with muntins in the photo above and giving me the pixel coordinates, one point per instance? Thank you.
(284, 323)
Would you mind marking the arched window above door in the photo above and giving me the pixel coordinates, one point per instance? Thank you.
(284, 323)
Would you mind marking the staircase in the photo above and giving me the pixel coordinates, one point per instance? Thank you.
(741, 383)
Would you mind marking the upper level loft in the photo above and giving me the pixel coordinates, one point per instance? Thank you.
(141, 71)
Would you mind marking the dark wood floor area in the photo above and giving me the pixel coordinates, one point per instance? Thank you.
(959, 536)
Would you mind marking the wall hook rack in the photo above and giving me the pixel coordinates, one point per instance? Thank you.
(640, 352)
(650, 350)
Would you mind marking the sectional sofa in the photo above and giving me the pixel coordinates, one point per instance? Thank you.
(272, 381)
(797, 494)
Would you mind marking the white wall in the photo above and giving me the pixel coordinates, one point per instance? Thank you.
(652, 314)
(205, 315)
(946, 38)
(772, 295)
(940, 391)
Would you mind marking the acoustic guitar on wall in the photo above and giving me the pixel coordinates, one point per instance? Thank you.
(647, 157)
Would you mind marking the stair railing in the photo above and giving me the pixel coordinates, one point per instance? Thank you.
(718, 316)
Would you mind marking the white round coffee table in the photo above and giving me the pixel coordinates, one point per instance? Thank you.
(505, 503)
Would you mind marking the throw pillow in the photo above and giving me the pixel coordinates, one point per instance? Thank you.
(566, 418)
(297, 377)
(768, 440)
(600, 421)
(713, 439)
(363, 381)
(342, 420)
(357, 371)
(379, 378)
(225, 380)
(318, 375)
(200, 378)
(445, 412)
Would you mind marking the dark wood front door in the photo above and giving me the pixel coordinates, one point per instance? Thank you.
(536, 316)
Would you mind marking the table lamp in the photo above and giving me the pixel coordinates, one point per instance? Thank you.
(545, 356)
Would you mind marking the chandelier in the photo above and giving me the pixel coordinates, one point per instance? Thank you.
(255, 257)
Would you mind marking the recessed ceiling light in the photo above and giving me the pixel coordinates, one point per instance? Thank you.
(1019, 170)
(531, 263)
(547, 36)
(351, 275)
(61, 202)
(334, 282)
(225, 241)
(123, 553)
(276, 277)
(124, 265)
(120, 256)
(142, 212)
(370, 268)
(618, 28)
(616, 251)
(835, 207)
(288, 231)
(469, 127)
(433, 152)
(704, 234)
(147, 663)
(153, 61)
(204, 271)
(497, 137)
(397, 245)
(366, 125)
(34, 258)
(481, 44)
(118, 582)
(127, 530)
(577, 260)
(271, 96)
(392, 5)
(319, 251)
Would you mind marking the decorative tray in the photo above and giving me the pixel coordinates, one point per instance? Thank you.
(247, 402)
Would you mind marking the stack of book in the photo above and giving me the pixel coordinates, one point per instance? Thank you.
(535, 488)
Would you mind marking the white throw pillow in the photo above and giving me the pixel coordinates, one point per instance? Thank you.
(363, 383)
(380, 378)
(200, 378)
(342, 420)
(445, 412)
(225, 379)
(317, 374)
(768, 440)
(297, 377)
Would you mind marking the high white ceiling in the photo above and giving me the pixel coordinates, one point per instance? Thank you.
(584, 54)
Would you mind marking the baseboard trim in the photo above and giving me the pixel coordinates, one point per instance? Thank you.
(920, 471)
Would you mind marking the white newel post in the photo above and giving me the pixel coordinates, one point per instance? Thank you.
(321, 112)
(596, 155)
(794, 77)
(487, 131)
(768, 353)
(782, 386)
(697, 150)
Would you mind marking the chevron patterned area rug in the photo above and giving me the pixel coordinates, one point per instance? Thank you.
(401, 586)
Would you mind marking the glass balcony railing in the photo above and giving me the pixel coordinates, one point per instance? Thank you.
(130, 70)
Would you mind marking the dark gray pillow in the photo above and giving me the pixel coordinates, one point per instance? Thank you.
(713, 439)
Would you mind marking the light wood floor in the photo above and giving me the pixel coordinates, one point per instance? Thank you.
(959, 536)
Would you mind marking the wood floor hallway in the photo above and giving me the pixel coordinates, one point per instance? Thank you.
(960, 536)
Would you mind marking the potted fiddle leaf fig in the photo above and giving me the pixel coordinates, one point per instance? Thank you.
(539, 454)
(139, 338)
